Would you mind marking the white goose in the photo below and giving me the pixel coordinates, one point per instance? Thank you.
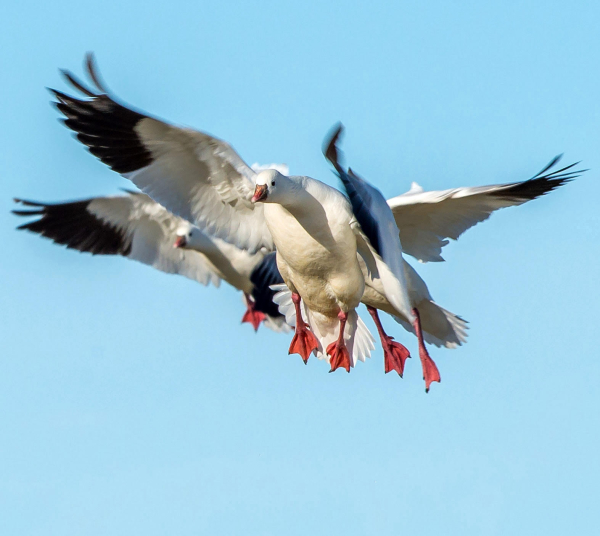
(202, 180)
(439, 324)
(136, 227)
(318, 237)
(425, 221)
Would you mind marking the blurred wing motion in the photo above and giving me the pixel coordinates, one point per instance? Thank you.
(133, 226)
(379, 238)
(194, 175)
(427, 219)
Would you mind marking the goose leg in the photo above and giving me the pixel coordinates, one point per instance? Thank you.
(304, 342)
(252, 316)
(430, 371)
(337, 350)
(394, 353)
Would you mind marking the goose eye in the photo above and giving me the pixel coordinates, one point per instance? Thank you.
(272, 183)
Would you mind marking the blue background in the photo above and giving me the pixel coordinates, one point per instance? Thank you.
(132, 402)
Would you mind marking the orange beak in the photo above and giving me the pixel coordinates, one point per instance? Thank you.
(260, 193)
(180, 242)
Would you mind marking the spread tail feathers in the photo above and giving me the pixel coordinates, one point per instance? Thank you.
(440, 327)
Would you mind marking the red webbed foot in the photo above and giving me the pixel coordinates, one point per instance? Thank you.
(252, 316)
(340, 358)
(394, 355)
(430, 370)
(303, 343)
(337, 351)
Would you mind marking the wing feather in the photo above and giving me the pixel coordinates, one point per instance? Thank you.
(427, 219)
(377, 229)
(194, 175)
(133, 226)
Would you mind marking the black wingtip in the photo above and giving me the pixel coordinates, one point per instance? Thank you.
(352, 174)
(106, 127)
(93, 72)
(552, 163)
(541, 183)
(564, 174)
(131, 192)
(27, 212)
(330, 149)
(52, 92)
(76, 83)
(27, 203)
(73, 225)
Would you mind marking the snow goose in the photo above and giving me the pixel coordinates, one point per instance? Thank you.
(425, 220)
(136, 227)
(202, 180)
(317, 236)
(381, 288)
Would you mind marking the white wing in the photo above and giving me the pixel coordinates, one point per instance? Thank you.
(133, 226)
(194, 175)
(427, 219)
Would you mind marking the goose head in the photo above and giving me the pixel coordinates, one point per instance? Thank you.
(271, 187)
(189, 237)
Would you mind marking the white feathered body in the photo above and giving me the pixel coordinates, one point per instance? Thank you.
(233, 264)
(316, 248)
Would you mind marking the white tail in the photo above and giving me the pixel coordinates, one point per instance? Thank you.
(440, 326)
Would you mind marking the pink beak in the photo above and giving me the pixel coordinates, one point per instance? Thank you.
(260, 193)
(180, 242)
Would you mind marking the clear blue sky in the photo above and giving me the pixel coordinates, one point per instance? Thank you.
(132, 402)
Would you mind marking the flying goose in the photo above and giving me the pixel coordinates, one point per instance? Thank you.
(136, 227)
(424, 221)
(204, 181)
(378, 224)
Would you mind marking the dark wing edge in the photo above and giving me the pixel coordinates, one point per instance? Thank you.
(330, 149)
(106, 127)
(72, 225)
(360, 200)
(541, 183)
(262, 277)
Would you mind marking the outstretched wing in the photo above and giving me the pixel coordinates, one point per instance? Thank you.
(133, 226)
(194, 175)
(427, 219)
(378, 236)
